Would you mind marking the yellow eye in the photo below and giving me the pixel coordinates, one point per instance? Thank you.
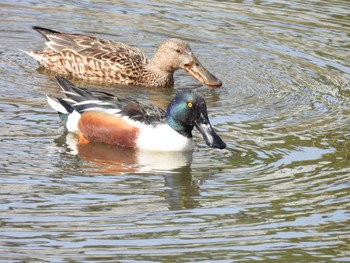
(189, 105)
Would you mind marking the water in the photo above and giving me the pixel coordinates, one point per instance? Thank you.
(281, 190)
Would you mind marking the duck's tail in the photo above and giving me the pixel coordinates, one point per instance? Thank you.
(45, 32)
(37, 55)
(64, 107)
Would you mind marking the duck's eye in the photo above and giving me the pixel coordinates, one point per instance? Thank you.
(178, 51)
(189, 105)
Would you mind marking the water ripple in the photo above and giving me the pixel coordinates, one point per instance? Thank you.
(280, 191)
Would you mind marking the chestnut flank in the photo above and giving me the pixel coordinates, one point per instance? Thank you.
(107, 128)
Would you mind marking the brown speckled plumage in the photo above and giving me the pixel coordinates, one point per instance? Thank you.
(100, 60)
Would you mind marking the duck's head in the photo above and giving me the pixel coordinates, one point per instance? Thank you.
(188, 110)
(175, 53)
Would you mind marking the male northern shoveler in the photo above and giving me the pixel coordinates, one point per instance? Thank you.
(100, 60)
(102, 117)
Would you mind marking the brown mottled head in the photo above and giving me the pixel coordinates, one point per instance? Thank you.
(175, 53)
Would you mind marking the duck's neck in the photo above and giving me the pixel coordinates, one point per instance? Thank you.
(184, 130)
(161, 68)
(157, 77)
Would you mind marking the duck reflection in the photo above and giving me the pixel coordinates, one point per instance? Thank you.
(182, 189)
(106, 159)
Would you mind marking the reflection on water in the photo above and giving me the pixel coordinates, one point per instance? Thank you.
(105, 159)
(280, 191)
(110, 159)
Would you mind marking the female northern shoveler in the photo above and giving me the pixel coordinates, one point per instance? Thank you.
(101, 60)
(102, 117)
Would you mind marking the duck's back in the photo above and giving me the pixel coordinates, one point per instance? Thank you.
(91, 58)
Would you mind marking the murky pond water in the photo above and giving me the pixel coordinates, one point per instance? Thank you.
(280, 192)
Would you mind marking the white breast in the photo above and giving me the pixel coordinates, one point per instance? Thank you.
(162, 138)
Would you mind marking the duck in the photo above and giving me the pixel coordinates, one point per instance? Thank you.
(100, 117)
(104, 61)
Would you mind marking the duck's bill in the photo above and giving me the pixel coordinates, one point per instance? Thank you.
(201, 74)
(209, 135)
